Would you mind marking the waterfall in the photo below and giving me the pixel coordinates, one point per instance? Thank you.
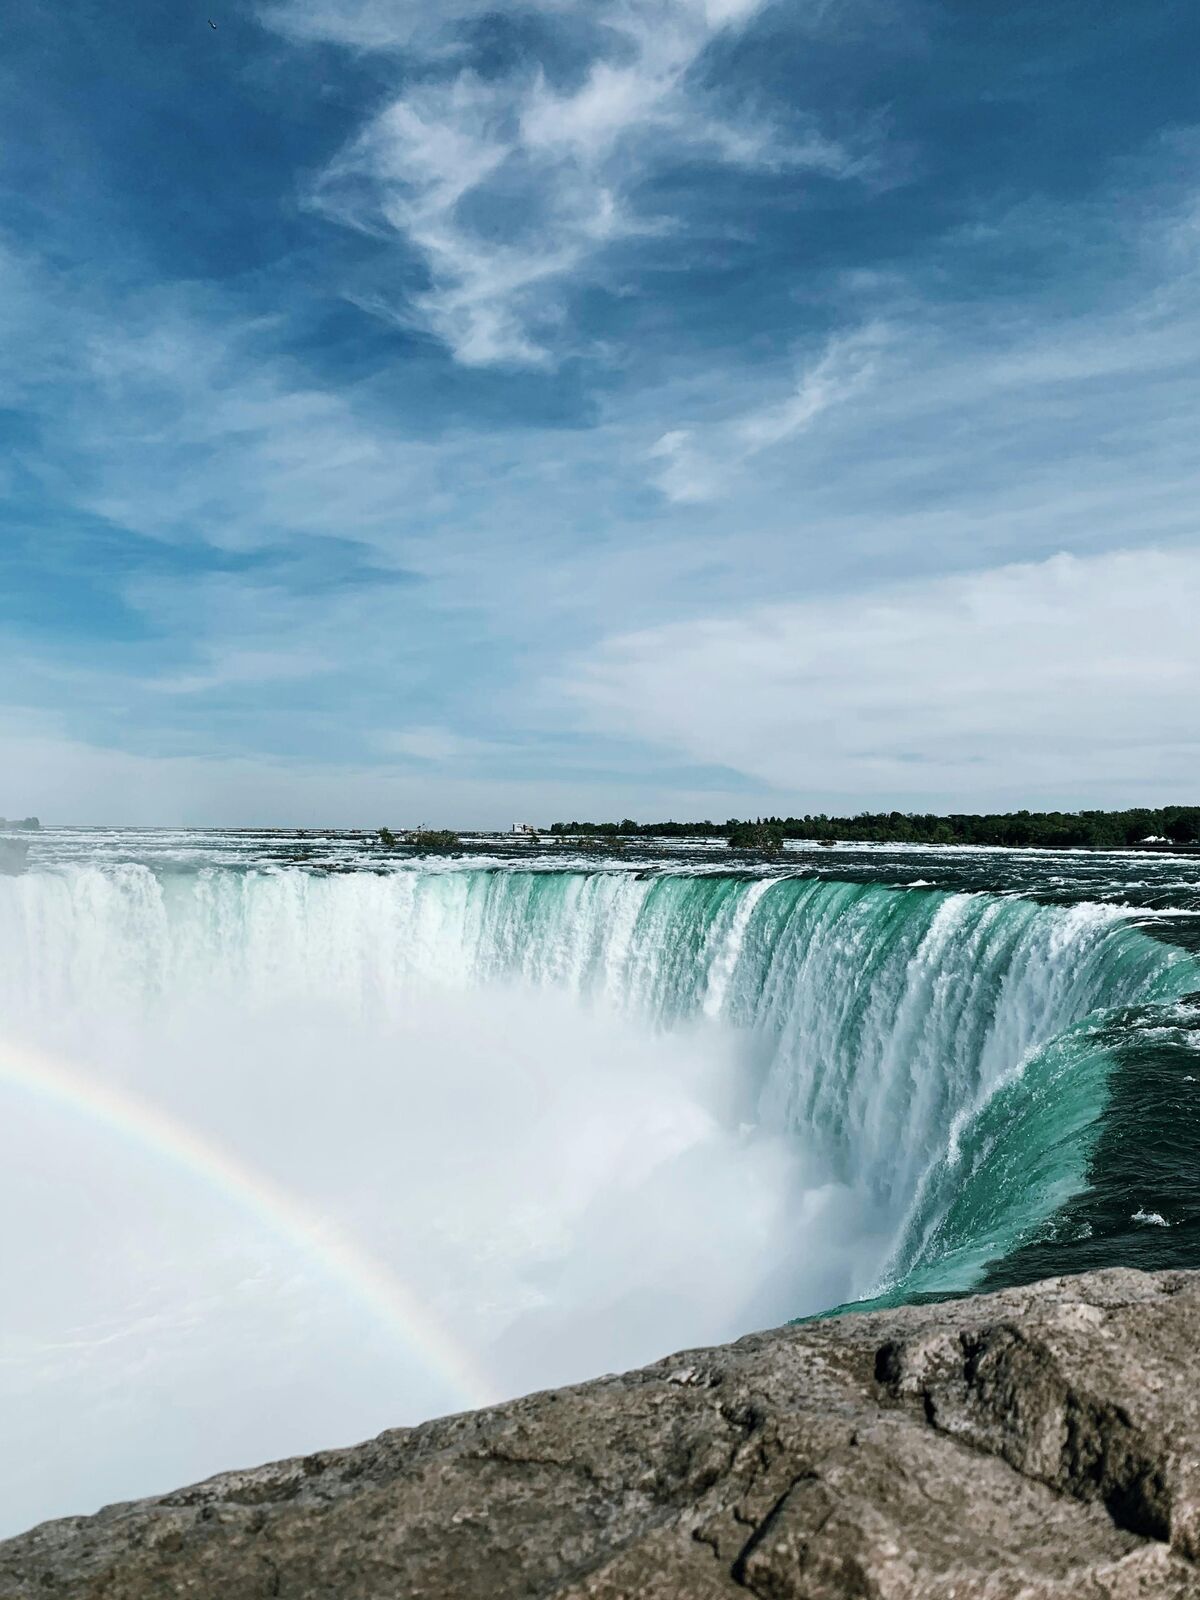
(879, 1024)
(302, 1154)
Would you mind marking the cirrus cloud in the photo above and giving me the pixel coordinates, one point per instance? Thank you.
(508, 187)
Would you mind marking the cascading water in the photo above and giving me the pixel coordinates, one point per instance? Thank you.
(593, 1115)
(879, 1023)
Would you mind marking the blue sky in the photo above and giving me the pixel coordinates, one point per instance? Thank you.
(650, 407)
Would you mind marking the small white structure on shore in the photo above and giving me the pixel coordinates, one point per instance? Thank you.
(523, 827)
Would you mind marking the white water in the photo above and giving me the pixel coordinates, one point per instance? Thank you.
(587, 1118)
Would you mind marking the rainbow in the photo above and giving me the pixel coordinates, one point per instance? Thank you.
(311, 1232)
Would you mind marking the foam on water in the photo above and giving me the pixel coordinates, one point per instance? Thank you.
(583, 1116)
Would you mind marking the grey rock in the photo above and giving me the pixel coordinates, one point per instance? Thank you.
(1039, 1444)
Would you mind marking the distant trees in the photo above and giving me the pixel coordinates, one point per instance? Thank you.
(434, 839)
(426, 839)
(627, 828)
(1110, 830)
(598, 845)
(1046, 829)
(1100, 830)
(765, 837)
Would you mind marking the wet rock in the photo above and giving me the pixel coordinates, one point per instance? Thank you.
(1039, 1444)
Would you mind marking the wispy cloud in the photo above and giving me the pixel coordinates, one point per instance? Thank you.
(175, 414)
(464, 570)
(67, 779)
(241, 668)
(244, 521)
(435, 745)
(698, 463)
(367, 24)
(508, 188)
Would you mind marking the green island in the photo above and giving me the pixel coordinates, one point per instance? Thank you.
(420, 839)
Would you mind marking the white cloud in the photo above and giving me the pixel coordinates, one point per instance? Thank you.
(421, 158)
(434, 744)
(1050, 678)
(701, 463)
(682, 471)
(68, 780)
(170, 414)
(971, 437)
(368, 24)
(509, 187)
(237, 667)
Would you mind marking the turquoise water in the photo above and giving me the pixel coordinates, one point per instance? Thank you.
(994, 1052)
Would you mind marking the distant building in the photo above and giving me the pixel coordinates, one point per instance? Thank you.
(523, 827)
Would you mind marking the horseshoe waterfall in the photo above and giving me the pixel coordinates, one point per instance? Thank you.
(450, 1131)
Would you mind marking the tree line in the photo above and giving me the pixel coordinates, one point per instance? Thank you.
(1179, 825)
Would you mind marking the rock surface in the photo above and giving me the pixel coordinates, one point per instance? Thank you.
(1043, 1442)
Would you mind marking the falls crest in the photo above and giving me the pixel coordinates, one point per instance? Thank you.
(931, 1050)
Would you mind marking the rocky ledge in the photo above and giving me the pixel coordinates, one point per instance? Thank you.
(1043, 1442)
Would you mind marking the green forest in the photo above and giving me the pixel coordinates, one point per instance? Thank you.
(1177, 825)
